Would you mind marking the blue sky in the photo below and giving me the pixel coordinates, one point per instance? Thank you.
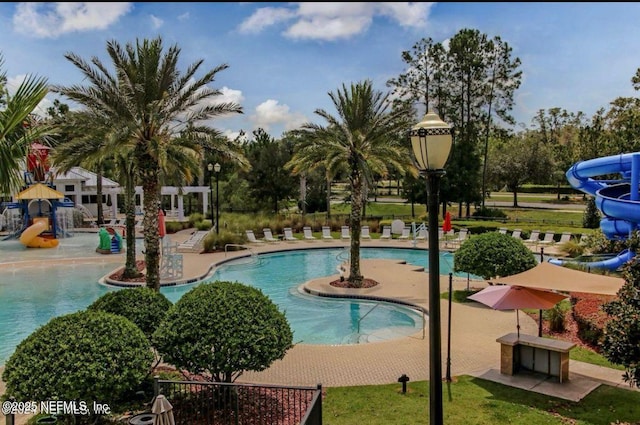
(284, 58)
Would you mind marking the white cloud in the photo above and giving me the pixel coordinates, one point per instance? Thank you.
(333, 21)
(156, 22)
(50, 20)
(270, 113)
(185, 16)
(265, 17)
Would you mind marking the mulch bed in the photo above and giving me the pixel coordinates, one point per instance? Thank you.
(118, 275)
(366, 283)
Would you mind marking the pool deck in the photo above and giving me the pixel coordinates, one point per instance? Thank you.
(474, 330)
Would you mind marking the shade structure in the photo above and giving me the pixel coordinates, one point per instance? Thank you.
(446, 225)
(39, 191)
(513, 297)
(163, 411)
(559, 278)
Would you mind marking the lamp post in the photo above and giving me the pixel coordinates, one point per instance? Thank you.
(210, 168)
(216, 168)
(431, 142)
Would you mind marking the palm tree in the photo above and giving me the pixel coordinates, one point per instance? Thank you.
(153, 102)
(18, 128)
(365, 138)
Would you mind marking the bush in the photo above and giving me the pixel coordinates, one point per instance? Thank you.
(589, 315)
(88, 355)
(215, 241)
(222, 329)
(572, 248)
(591, 216)
(493, 254)
(489, 212)
(145, 307)
(556, 318)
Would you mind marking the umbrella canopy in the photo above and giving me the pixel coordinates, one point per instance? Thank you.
(446, 226)
(513, 297)
(163, 411)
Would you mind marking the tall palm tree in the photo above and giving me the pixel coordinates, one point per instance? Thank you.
(17, 128)
(365, 138)
(153, 102)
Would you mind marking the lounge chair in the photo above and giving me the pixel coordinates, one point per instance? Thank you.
(268, 236)
(461, 237)
(565, 237)
(364, 233)
(548, 238)
(386, 233)
(422, 234)
(308, 234)
(326, 233)
(344, 233)
(406, 233)
(517, 234)
(288, 234)
(534, 238)
(502, 230)
(251, 237)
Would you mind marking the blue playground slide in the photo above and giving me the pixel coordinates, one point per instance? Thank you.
(618, 200)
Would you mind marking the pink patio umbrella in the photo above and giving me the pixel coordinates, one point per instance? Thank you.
(446, 225)
(513, 297)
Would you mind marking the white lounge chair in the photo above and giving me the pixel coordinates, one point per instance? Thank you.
(251, 237)
(565, 237)
(534, 238)
(461, 237)
(422, 234)
(406, 233)
(364, 233)
(308, 234)
(268, 236)
(548, 238)
(386, 233)
(326, 233)
(288, 234)
(517, 233)
(502, 230)
(344, 232)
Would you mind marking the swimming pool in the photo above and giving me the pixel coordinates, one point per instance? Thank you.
(31, 295)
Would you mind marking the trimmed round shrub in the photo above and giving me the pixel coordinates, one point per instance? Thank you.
(88, 355)
(143, 306)
(493, 254)
(223, 329)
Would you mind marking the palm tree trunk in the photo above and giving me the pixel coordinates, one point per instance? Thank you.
(130, 267)
(100, 211)
(355, 222)
(149, 178)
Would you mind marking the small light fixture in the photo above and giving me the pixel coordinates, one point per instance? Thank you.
(404, 379)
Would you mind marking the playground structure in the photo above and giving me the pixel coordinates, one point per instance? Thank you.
(110, 241)
(39, 214)
(617, 199)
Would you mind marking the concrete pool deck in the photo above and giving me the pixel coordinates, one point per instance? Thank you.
(474, 330)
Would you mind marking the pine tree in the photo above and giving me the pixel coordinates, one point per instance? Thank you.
(591, 217)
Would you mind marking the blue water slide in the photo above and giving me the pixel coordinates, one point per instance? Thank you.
(618, 200)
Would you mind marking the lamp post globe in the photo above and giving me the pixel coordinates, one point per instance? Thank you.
(217, 168)
(431, 142)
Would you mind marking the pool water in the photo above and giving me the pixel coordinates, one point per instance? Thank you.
(31, 295)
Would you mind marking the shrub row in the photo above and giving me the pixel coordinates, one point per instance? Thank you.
(588, 314)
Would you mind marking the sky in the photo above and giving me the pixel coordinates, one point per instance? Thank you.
(285, 58)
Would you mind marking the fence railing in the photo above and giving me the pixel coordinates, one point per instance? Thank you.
(216, 403)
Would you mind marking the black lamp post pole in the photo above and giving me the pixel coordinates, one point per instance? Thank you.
(448, 372)
(211, 193)
(436, 415)
(217, 203)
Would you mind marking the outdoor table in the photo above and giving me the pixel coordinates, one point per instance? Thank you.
(529, 352)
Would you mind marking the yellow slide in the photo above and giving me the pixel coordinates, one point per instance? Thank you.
(30, 236)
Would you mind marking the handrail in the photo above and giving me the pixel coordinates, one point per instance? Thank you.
(365, 315)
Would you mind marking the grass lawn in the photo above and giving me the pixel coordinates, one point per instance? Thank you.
(470, 400)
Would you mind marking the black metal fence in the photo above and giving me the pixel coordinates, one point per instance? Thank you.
(215, 403)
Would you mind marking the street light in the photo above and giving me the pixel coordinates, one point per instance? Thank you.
(216, 168)
(210, 168)
(431, 142)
